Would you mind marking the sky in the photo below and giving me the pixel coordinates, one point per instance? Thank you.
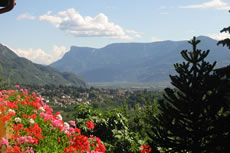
(44, 30)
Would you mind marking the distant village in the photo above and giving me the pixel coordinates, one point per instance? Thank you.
(65, 96)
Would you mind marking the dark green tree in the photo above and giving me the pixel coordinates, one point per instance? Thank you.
(227, 40)
(225, 71)
(194, 110)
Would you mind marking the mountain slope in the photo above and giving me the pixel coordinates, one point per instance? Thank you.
(22, 71)
(134, 62)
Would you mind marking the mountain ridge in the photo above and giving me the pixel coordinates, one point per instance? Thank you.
(134, 62)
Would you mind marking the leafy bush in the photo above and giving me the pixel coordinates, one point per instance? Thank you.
(112, 127)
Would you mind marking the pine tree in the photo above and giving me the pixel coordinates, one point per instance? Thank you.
(227, 40)
(225, 71)
(192, 113)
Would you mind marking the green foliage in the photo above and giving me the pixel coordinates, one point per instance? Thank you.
(112, 127)
(143, 117)
(192, 115)
(4, 83)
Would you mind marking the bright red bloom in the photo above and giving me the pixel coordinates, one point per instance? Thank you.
(15, 136)
(90, 125)
(48, 109)
(35, 131)
(79, 143)
(15, 149)
(77, 130)
(12, 105)
(18, 127)
(145, 149)
(6, 118)
(33, 116)
(100, 147)
(29, 116)
(11, 114)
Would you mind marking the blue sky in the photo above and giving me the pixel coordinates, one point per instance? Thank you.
(43, 30)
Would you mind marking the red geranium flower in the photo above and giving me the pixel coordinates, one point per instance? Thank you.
(90, 125)
(18, 127)
(145, 149)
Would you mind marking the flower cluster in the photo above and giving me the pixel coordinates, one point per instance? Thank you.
(145, 149)
(34, 128)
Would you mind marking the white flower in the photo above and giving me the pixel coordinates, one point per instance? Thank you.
(31, 121)
(42, 109)
(17, 120)
(0, 112)
(66, 131)
(66, 125)
(11, 110)
(59, 117)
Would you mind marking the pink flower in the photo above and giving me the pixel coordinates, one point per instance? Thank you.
(29, 150)
(57, 123)
(26, 139)
(17, 86)
(26, 91)
(46, 116)
(71, 131)
(4, 141)
(72, 123)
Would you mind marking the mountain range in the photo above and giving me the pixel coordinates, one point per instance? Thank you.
(134, 62)
(22, 71)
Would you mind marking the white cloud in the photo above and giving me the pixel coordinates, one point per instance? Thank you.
(155, 39)
(219, 36)
(26, 16)
(58, 52)
(134, 33)
(40, 56)
(71, 22)
(218, 4)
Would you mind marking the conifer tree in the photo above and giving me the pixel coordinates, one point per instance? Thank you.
(225, 71)
(227, 40)
(194, 110)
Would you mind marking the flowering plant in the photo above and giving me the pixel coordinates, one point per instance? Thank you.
(145, 149)
(34, 128)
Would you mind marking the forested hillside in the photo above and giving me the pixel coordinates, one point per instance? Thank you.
(20, 70)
